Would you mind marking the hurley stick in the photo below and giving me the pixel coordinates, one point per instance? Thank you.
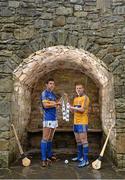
(97, 163)
(25, 160)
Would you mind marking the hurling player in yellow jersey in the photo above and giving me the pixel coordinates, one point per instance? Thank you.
(80, 127)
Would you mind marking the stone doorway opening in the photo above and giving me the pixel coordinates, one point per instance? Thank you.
(64, 140)
(63, 63)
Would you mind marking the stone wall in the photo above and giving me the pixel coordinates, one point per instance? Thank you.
(20, 115)
(27, 26)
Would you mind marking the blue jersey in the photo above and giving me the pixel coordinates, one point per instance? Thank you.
(49, 114)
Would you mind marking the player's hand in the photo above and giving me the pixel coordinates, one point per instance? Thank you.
(59, 103)
(74, 109)
(71, 108)
(66, 95)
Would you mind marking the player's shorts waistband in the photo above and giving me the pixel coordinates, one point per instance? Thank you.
(50, 124)
(80, 128)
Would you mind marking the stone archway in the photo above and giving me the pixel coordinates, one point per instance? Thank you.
(61, 57)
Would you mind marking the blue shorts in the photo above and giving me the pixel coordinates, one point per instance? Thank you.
(80, 128)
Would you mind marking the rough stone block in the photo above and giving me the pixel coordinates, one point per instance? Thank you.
(121, 124)
(77, 1)
(4, 123)
(4, 145)
(40, 23)
(64, 11)
(5, 12)
(4, 108)
(5, 53)
(59, 21)
(14, 4)
(120, 143)
(6, 36)
(24, 33)
(78, 8)
(119, 10)
(82, 42)
(71, 20)
(80, 14)
(4, 134)
(6, 83)
(4, 159)
(103, 4)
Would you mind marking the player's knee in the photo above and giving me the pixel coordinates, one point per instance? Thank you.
(45, 138)
(78, 142)
(84, 141)
(50, 139)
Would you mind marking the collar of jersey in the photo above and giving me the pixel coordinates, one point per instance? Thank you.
(48, 90)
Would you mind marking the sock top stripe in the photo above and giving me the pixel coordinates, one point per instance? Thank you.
(85, 145)
(44, 141)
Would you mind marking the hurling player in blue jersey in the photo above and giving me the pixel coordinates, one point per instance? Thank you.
(49, 103)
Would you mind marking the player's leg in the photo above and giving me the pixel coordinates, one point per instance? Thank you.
(84, 141)
(53, 126)
(43, 146)
(49, 145)
(79, 145)
(85, 146)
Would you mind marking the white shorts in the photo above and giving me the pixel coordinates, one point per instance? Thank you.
(50, 124)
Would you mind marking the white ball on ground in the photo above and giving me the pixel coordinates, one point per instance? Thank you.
(66, 161)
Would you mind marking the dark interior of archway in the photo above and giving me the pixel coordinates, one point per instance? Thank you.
(64, 137)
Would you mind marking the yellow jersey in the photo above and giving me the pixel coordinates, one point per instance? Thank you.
(81, 117)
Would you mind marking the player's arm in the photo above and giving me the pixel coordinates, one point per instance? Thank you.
(82, 108)
(77, 109)
(72, 108)
(46, 102)
(50, 104)
(58, 103)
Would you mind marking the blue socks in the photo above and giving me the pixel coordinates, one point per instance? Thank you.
(46, 149)
(49, 149)
(43, 150)
(79, 150)
(85, 151)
